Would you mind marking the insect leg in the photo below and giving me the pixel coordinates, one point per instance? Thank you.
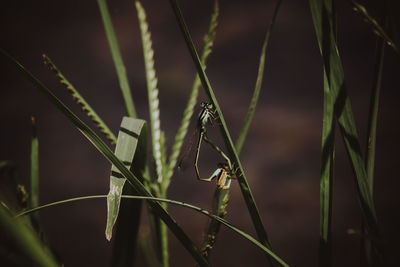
(201, 135)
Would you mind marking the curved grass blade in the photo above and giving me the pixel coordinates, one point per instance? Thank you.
(377, 29)
(152, 90)
(81, 101)
(27, 245)
(250, 113)
(188, 112)
(127, 225)
(117, 58)
(174, 202)
(128, 137)
(244, 186)
(109, 155)
(322, 13)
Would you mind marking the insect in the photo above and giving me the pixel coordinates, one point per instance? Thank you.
(206, 115)
(224, 172)
(224, 175)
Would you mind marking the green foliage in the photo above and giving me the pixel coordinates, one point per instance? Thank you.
(129, 162)
(232, 154)
(127, 142)
(118, 62)
(23, 241)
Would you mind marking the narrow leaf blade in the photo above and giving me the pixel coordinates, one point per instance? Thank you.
(244, 186)
(109, 155)
(30, 249)
(250, 113)
(117, 58)
(125, 150)
(190, 106)
(323, 17)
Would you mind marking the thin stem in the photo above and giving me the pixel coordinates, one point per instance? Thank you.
(169, 201)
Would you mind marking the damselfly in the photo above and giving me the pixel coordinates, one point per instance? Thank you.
(224, 175)
(225, 172)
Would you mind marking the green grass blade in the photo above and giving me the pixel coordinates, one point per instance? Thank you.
(244, 186)
(34, 199)
(327, 176)
(81, 101)
(127, 141)
(152, 90)
(18, 236)
(373, 114)
(367, 257)
(322, 13)
(377, 29)
(190, 107)
(34, 195)
(250, 113)
(169, 201)
(117, 58)
(127, 225)
(109, 155)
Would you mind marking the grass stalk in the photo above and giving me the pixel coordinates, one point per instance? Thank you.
(221, 196)
(109, 155)
(367, 255)
(190, 106)
(326, 179)
(31, 250)
(244, 186)
(117, 58)
(323, 14)
(34, 194)
(257, 89)
(158, 144)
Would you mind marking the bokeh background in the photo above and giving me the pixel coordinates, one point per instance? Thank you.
(281, 155)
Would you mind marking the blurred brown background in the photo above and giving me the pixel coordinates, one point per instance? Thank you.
(281, 155)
